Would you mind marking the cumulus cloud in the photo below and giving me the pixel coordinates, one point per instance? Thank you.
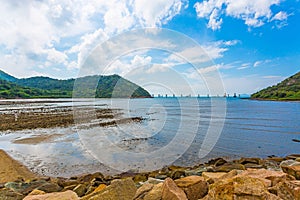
(254, 13)
(63, 32)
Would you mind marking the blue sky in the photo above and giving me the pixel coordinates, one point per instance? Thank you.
(251, 43)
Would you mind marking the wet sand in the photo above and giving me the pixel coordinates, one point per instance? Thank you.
(50, 117)
(11, 170)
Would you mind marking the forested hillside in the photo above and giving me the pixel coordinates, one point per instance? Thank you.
(44, 87)
(289, 89)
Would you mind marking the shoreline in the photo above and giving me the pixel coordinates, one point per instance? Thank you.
(18, 182)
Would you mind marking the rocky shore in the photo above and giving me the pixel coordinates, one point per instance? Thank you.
(246, 178)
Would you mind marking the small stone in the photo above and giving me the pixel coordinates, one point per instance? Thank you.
(195, 187)
(80, 190)
(70, 187)
(170, 191)
(67, 195)
(142, 191)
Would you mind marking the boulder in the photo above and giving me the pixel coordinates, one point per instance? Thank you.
(24, 188)
(89, 177)
(195, 187)
(170, 191)
(49, 187)
(269, 177)
(121, 189)
(155, 193)
(227, 167)
(176, 174)
(244, 161)
(287, 190)
(7, 194)
(67, 195)
(217, 162)
(142, 191)
(242, 187)
(80, 190)
(65, 183)
(290, 162)
(154, 181)
(100, 187)
(293, 156)
(293, 170)
(36, 192)
(140, 178)
(210, 177)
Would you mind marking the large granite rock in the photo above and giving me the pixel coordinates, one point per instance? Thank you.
(227, 167)
(293, 170)
(24, 188)
(142, 191)
(49, 187)
(170, 191)
(155, 193)
(120, 189)
(67, 195)
(287, 190)
(242, 187)
(195, 187)
(270, 177)
(7, 194)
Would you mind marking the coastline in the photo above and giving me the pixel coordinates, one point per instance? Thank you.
(274, 178)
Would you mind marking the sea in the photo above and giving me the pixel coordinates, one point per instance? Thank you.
(174, 131)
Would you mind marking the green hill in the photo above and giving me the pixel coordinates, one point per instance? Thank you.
(44, 87)
(6, 77)
(289, 89)
(9, 90)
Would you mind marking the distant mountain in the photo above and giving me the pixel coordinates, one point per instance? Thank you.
(289, 89)
(44, 87)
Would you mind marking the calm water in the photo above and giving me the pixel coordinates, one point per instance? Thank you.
(174, 131)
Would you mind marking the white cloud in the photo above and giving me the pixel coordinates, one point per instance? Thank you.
(63, 32)
(272, 77)
(214, 21)
(257, 63)
(156, 12)
(254, 13)
(123, 67)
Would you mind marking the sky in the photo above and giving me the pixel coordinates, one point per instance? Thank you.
(188, 47)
